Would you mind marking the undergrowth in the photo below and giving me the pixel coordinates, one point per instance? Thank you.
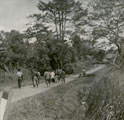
(60, 103)
(106, 98)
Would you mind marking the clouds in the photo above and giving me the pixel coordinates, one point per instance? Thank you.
(13, 13)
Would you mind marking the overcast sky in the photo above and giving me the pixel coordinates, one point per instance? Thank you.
(13, 13)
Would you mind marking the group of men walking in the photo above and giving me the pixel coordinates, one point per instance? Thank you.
(54, 76)
(49, 75)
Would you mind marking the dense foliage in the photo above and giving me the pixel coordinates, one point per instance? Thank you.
(105, 100)
(54, 38)
(56, 48)
(109, 16)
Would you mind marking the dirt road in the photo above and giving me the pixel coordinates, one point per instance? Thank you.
(19, 94)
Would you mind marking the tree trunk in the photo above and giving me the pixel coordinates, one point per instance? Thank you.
(56, 25)
(115, 58)
(60, 25)
(64, 25)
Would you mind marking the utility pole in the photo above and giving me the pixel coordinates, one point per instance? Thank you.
(4, 103)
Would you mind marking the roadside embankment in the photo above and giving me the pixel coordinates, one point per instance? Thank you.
(106, 98)
(63, 102)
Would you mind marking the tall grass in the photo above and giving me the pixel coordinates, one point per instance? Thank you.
(106, 98)
(9, 78)
(60, 103)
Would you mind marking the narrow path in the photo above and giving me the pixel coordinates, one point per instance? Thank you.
(27, 91)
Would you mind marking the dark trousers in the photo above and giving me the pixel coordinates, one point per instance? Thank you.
(38, 79)
(35, 82)
(19, 83)
(53, 80)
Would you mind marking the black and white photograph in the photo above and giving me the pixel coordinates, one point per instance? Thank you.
(61, 60)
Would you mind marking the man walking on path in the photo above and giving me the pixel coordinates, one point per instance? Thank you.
(84, 72)
(58, 74)
(32, 76)
(20, 78)
(35, 80)
(47, 77)
(62, 76)
(38, 77)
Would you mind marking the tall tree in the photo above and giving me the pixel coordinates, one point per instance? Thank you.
(110, 16)
(57, 12)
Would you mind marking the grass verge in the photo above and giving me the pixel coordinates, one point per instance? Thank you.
(60, 103)
(106, 98)
(9, 79)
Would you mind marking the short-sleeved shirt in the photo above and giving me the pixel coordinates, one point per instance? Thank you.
(19, 74)
(52, 75)
(47, 75)
(35, 78)
(62, 74)
(38, 73)
(84, 70)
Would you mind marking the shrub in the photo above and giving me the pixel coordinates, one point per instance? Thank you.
(106, 98)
